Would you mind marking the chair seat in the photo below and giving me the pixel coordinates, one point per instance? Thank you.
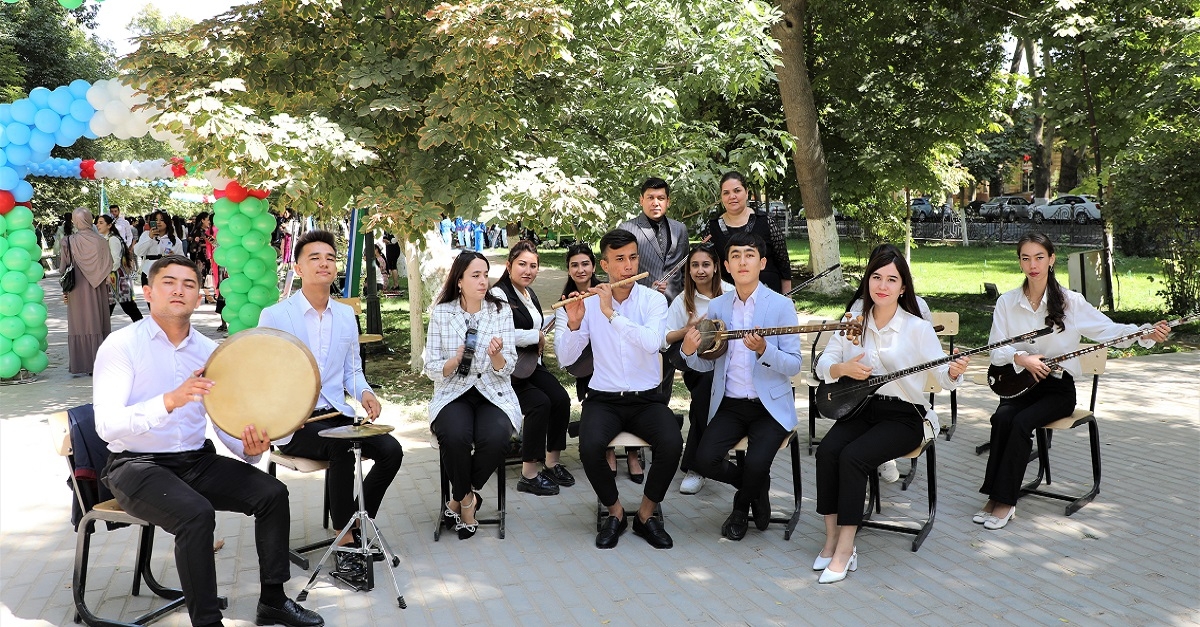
(1077, 417)
(298, 464)
(625, 438)
(369, 338)
(744, 443)
(110, 505)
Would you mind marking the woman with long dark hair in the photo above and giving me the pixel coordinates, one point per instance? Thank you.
(470, 353)
(896, 419)
(738, 217)
(544, 402)
(1039, 302)
(159, 240)
(120, 281)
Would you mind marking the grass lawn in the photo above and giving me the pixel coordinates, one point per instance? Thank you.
(948, 276)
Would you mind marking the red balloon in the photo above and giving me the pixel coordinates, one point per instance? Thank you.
(260, 194)
(87, 169)
(7, 202)
(235, 192)
(218, 193)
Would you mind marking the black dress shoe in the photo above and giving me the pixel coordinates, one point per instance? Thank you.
(539, 484)
(560, 475)
(735, 526)
(653, 532)
(761, 507)
(610, 532)
(290, 614)
(635, 477)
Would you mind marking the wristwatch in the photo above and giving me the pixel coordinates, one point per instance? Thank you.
(615, 314)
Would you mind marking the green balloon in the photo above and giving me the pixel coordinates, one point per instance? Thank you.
(225, 237)
(254, 269)
(230, 315)
(14, 282)
(16, 259)
(3, 246)
(263, 221)
(33, 293)
(239, 225)
(3, 224)
(224, 207)
(26, 346)
(221, 255)
(43, 345)
(236, 258)
(238, 284)
(234, 301)
(37, 362)
(19, 218)
(249, 314)
(34, 272)
(262, 295)
(255, 240)
(10, 365)
(71, 5)
(252, 207)
(10, 304)
(39, 331)
(5, 345)
(269, 256)
(23, 238)
(11, 327)
(33, 314)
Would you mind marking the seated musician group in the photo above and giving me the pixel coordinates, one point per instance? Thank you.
(149, 385)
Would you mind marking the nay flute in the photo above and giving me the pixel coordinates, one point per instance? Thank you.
(621, 283)
(682, 262)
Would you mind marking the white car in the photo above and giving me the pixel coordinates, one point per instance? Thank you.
(1080, 209)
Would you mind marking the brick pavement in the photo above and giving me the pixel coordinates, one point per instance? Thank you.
(1129, 558)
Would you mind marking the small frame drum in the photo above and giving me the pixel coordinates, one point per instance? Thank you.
(263, 377)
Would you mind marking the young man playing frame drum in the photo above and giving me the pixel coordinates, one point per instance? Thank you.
(329, 330)
(752, 385)
(625, 326)
(147, 393)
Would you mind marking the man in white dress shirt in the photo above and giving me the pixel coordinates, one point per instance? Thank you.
(124, 228)
(329, 330)
(625, 326)
(147, 392)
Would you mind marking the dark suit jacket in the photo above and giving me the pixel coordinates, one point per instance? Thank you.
(651, 258)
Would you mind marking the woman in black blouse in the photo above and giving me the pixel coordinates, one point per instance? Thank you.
(738, 217)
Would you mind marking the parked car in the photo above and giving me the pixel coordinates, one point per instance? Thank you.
(1007, 208)
(1070, 208)
(923, 210)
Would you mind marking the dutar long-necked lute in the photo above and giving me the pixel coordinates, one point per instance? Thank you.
(845, 397)
(714, 337)
(1006, 382)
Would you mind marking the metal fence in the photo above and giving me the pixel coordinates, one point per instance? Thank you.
(1065, 233)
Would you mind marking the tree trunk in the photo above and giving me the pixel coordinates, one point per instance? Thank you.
(416, 300)
(1037, 135)
(800, 111)
(1068, 170)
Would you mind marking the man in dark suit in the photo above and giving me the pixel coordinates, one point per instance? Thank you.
(662, 242)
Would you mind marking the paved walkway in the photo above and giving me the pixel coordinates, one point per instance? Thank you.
(1130, 558)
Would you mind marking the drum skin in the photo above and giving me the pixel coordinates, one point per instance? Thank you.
(263, 377)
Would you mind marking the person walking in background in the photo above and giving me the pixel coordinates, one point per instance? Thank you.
(120, 281)
(87, 255)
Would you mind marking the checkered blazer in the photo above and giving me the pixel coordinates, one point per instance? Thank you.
(447, 331)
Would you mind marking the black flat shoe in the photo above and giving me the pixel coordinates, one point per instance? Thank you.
(610, 532)
(761, 508)
(653, 532)
(735, 526)
(638, 477)
(539, 485)
(560, 475)
(290, 614)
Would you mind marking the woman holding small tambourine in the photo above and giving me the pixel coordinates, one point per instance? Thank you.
(544, 402)
(470, 355)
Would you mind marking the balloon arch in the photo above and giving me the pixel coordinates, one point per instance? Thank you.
(29, 129)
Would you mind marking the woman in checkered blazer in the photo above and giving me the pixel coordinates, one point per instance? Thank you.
(470, 354)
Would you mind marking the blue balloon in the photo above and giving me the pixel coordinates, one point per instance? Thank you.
(19, 154)
(82, 111)
(17, 133)
(40, 96)
(41, 141)
(79, 88)
(61, 99)
(3, 158)
(38, 157)
(22, 169)
(23, 111)
(47, 121)
(89, 134)
(63, 138)
(4, 136)
(23, 192)
(72, 128)
(8, 178)
(5, 113)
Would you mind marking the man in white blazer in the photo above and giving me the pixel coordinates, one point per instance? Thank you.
(752, 385)
(329, 330)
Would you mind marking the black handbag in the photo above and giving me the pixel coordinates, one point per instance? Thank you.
(67, 280)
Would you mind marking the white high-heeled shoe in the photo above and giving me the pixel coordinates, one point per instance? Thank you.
(981, 517)
(995, 523)
(821, 563)
(832, 576)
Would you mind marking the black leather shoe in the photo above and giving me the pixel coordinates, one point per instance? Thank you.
(560, 475)
(610, 532)
(540, 484)
(735, 526)
(636, 477)
(653, 532)
(761, 507)
(290, 614)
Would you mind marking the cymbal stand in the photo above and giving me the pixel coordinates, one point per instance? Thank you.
(371, 538)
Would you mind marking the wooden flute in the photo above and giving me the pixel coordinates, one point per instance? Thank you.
(621, 283)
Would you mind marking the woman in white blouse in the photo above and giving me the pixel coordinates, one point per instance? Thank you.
(893, 422)
(544, 403)
(160, 240)
(474, 411)
(701, 284)
(1039, 302)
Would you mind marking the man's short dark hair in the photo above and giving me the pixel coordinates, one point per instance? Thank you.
(324, 237)
(172, 260)
(616, 238)
(655, 183)
(743, 238)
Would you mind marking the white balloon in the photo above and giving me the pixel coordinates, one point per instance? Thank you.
(176, 143)
(101, 126)
(216, 180)
(97, 94)
(116, 114)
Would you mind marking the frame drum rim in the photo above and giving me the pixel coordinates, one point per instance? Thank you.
(237, 399)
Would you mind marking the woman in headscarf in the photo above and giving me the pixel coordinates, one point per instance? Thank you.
(88, 321)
